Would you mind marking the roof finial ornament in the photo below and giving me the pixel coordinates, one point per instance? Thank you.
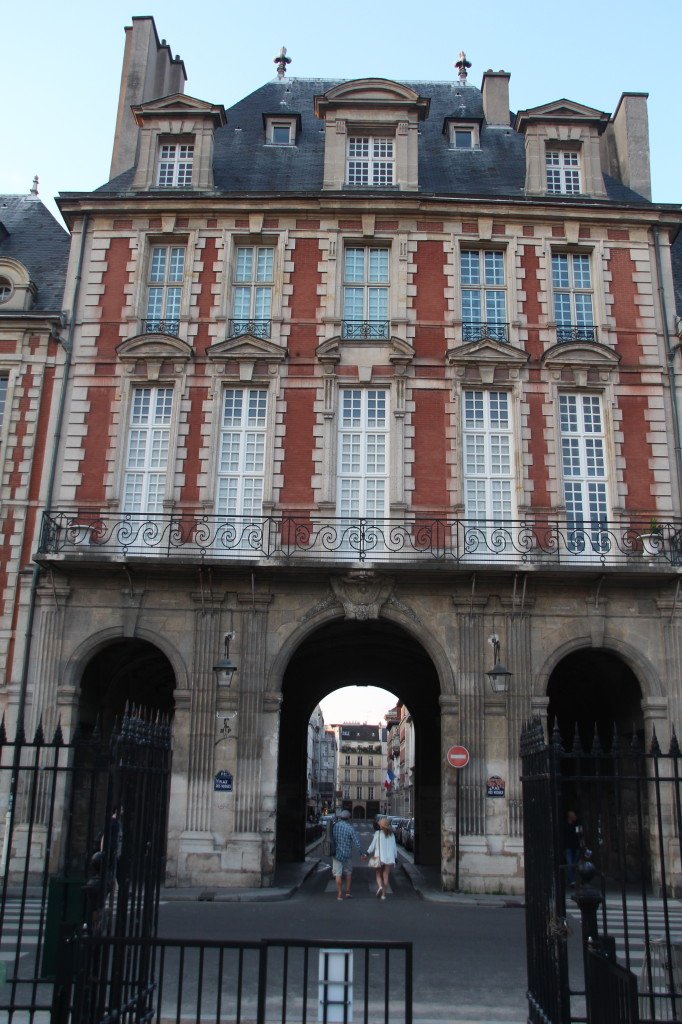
(34, 189)
(281, 60)
(462, 64)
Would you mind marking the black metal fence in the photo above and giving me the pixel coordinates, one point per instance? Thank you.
(538, 541)
(610, 926)
(83, 846)
(279, 980)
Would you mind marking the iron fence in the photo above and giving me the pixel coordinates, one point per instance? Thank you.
(281, 980)
(256, 328)
(537, 541)
(83, 829)
(625, 898)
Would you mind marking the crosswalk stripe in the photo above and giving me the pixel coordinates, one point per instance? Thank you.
(635, 919)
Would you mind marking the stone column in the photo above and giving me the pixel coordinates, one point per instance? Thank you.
(518, 659)
(272, 703)
(43, 683)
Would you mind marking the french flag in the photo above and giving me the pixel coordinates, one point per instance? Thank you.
(390, 778)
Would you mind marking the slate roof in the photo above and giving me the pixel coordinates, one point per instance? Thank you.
(676, 252)
(243, 163)
(34, 238)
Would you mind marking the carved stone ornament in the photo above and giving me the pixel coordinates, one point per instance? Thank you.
(362, 594)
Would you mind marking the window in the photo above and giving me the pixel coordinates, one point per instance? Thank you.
(252, 292)
(365, 292)
(3, 396)
(241, 456)
(146, 465)
(5, 290)
(175, 165)
(572, 282)
(370, 793)
(563, 171)
(346, 792)
(358, 792)
(583, 463)
(346, 775)
(370, 760)
(359, 758)
(488, 470)
(281, 132)
(363, 453)
(371, 161)
(358, 775)
(484, 305)
(347, 761)
(164, 289)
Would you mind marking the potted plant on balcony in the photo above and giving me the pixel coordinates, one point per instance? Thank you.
(652, 542)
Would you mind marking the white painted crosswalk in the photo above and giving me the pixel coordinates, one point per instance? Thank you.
(19, 930)
(633, 927)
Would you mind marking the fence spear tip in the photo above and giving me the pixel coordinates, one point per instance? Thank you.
(674, 745)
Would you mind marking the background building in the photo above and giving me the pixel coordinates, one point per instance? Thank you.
(360, 774)
(364, 373)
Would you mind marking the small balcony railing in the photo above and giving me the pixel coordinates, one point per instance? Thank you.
(365, 330)
(475, 331)
(256, 328)
(307, 538)
(576, 332)
(161, 327)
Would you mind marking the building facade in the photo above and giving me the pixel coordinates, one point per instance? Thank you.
(363, 373)
(359, 773)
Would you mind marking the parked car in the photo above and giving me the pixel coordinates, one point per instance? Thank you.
(395, 824)
(400, 832)
(408, 835)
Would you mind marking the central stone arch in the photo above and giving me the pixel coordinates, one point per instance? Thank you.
(347, 652)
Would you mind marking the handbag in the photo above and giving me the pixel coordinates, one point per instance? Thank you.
(374, 861)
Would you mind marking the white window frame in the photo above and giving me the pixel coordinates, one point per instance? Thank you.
(573, 296)
(366, 292)
(488, 474)
(370, 160)
(563, 173)
(4, 394)
(483, 274)
(363, 463)
(584, 471)
(175, 164)
(148, 448)
(253, 284)
(456, 128)
(242, 452)
(275, 123)
(165, 286)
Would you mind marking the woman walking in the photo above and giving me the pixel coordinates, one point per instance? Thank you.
(382, 853)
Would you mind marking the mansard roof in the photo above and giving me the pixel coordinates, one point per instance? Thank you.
(30, 235)
(243, 163)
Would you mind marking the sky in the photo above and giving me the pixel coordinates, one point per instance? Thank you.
(61, 65)
(367, 704)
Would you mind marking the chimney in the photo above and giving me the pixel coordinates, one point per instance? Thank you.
(625, 149)
(495, 90)
(149, 72)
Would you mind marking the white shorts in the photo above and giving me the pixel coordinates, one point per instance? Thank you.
(341, 867)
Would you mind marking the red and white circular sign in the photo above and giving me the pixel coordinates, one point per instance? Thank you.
(458, 757)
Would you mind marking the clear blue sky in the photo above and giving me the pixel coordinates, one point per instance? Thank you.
(61, 64)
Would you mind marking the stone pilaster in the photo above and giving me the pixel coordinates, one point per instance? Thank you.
(252, 640)
(48, 632)
(517, 642)
(207, 645)
(471, 638)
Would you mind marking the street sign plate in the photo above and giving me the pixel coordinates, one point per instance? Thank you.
(458, 757)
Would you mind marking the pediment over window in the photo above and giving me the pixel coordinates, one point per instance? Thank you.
(372, 92)
(247, 348)
(178, 105)
(562, 112)
(580, 355)
(399, 351)
(155, 350)
(487, 358)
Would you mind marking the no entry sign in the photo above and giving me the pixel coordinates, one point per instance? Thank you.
(458, 757)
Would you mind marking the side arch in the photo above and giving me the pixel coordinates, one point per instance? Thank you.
(647, 676)
(96, 642)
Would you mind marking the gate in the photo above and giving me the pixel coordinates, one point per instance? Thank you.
(83, 849)
(604, 937)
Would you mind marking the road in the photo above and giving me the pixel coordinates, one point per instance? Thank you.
(469, 960)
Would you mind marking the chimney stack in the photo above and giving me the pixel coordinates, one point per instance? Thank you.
(149, 72)
(625, 143)
(495, 90)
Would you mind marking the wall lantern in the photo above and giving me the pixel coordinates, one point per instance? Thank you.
(499, 675)
(225, 668)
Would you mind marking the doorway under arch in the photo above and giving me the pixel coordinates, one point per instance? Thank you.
(593, 689)
(125, 672)
(350, 653)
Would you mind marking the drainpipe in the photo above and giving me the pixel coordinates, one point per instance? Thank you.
(670, 359)
(67, 345)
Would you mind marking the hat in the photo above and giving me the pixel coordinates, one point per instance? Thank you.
(344, 814)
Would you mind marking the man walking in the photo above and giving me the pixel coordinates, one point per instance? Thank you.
(345, 838)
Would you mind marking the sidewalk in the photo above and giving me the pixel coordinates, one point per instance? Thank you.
(290, 877)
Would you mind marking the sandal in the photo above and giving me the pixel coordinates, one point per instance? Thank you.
(380, 891)
(348, 896)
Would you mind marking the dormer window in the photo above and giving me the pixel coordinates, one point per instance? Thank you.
(563, 171)
(281, 133)
(462, 138)
(371, 160)
(5, 290)
(175, 165)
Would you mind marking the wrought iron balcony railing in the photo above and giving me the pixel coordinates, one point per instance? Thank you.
(475, 331)
(257, 328)
(305, 537)
(365, 330)
(161, 327)
(576, 332)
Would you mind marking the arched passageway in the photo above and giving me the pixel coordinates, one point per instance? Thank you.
(132, 672)
(347, 653)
